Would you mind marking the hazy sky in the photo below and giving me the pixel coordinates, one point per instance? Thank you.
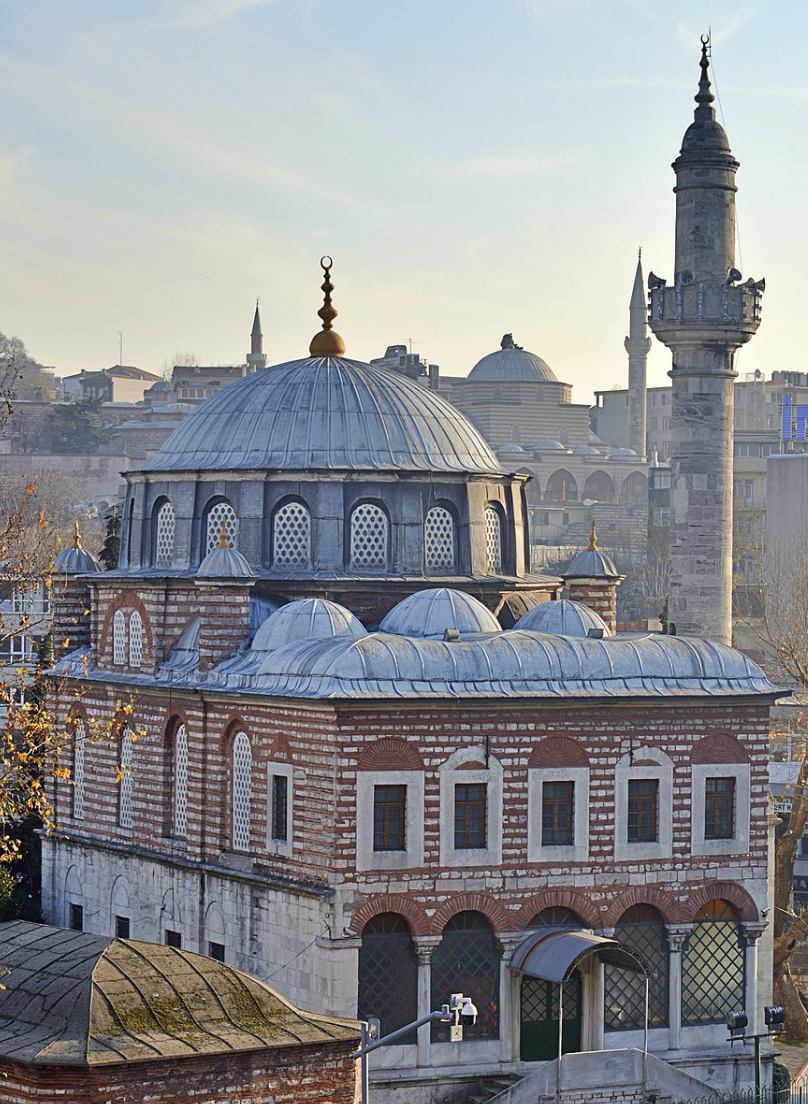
(473, 166)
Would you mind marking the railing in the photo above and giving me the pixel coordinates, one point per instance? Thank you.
(797, 1093)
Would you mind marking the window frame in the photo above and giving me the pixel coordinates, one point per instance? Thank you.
(413, 852)
(274, 845)
(390, 832)
(636, 767)
(454, 772)
(642, 816)
(739, 842)
(241, 829)
(578, 850)
(466, 810)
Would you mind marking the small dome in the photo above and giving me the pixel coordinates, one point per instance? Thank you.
(550, 446)
(591, 564)
(562, 618)
(306, 619)
(624, 452)
(76, 561)
(429, 613)
(511, 364)
(586, 450)
(510, 449)
(224, 563)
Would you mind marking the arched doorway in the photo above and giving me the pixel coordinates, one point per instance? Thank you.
(538, 1037)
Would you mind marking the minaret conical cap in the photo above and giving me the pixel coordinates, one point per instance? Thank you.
(327, 342)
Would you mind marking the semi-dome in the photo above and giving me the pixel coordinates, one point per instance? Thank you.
(429, 613)
(326, 413)
(306, 619)
(562, 618)
(512, 364)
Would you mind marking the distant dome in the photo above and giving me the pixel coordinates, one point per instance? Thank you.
(326, 413)
(550, 446)
(224, 563)
(624, 452)
(562, 618)
(512, 364)
(306, 619)
(510, 449)
(430, 612)
(76, 561)
(586, 450)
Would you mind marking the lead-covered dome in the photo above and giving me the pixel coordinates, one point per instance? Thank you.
(512, 364)
(429, 613)
(563, 618)
(306, 619)
(326, 413)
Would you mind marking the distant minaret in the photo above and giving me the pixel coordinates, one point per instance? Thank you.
(703, 319)
(256, 358)
(637, 345)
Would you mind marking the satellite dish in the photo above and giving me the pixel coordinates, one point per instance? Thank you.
(685, 277)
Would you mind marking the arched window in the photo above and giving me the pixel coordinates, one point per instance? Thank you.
(79, 741)
(368, 538)
(119, 638)
(164, 523)
(640, 929)
(388, 973)
(181, 782)
(439, 541)
(221, 514)
(493, 540)
(135, 640)
(466, 961)
(291, 536)
(125, 783)
(713, 973)
(242, 792)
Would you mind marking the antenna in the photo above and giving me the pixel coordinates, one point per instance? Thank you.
(120, 347)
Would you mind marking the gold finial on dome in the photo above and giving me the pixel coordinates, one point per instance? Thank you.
(593, 539)
(76, 535)
(223, 540)
(327, 342)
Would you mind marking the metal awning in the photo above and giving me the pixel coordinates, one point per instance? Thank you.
(553, 953)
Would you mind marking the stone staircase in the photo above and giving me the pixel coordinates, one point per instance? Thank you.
(488, 1088)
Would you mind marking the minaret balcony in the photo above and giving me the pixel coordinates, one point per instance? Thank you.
(725, 306)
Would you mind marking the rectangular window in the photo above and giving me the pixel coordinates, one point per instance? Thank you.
(173, 939)
(77, 917)
(557, 814)
(389, 818)
(122, 927)
(643, 810)
(216, 950)
(719, 808)
(280, 807)
(470, 815)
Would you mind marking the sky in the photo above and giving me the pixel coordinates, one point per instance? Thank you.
(474, 167)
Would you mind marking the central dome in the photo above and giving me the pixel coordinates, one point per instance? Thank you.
(512, 364)
(326, 413)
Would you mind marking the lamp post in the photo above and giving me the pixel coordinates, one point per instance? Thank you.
(460, 1012)
(737, 1022)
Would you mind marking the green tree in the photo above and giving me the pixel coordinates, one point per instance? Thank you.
(110, 553)
(75, 428)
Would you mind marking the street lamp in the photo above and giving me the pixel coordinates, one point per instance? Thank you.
(460, 1012)
(774, 1016)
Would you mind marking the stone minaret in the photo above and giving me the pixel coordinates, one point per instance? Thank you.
(703, 318)
(637, 345)
(256, 358)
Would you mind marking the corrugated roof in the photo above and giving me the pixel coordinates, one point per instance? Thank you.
(73, 998)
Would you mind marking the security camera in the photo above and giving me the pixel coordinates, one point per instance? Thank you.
(468, 1013)
(765, 912)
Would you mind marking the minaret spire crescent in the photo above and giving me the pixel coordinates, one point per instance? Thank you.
(327, 342)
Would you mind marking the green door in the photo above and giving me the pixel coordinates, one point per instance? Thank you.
(539, 1034)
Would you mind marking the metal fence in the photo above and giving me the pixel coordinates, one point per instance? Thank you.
(797, 1093)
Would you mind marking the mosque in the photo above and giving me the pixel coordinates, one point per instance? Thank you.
(367, 756)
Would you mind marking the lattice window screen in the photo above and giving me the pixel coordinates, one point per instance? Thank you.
(291, 536)
(625, 991)
(164, 536)
(135, 640)
(79, 741)
(181, 782)
(713, 974)
(369, 537)
(242, 792)
(125, 784)
(466, 960)
(119, 638)
(221, 514)
(439, 540)
(388, 973)
(493, 540)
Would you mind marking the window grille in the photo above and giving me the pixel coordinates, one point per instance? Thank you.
(643, 810)
(640, 929)
(557, 814)
(181, 782)
(135, 640)
(466, 961)
(122, 927)
(280, 808)
(388, 974)
(79, 740)
(76, 917)
(220, 514)
(389, 818)
(439, 541)
(164, 536)
(369, 538)
(539, 1016)
(470, 815)
(719, 808)
(556, 916)
(242, 792)
(713, 966)
(291, 536)
(119, 638)
(493, 540)
(125, 784)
